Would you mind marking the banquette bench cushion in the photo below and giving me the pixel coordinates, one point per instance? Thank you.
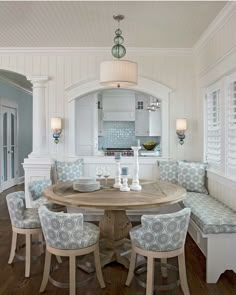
(210, 215)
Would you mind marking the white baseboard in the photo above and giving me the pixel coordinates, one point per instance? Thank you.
(21, 180)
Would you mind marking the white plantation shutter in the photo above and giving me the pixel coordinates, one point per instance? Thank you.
(230, 150)
(213, 129)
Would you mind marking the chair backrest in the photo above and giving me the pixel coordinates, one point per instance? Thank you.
(61, 230)
(165, 232)
(68, 171)
(37, 187)
(16, 208)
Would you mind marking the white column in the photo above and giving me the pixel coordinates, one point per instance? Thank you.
(38, 164)
(40, 143)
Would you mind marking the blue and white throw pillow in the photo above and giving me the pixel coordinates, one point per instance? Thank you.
(37, 187)
(168, 171)
(69, 171)
(192, 176)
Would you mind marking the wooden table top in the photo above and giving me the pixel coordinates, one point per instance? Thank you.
(153, 194)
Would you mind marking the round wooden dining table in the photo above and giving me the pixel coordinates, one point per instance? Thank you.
(115, 225)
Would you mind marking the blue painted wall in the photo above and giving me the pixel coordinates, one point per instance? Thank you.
(24, 102)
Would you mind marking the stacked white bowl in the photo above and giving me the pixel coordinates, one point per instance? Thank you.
(86, 184)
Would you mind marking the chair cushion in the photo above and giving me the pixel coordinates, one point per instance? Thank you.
(165, 232)
(69, 171)
(168, 171)
(192, 176)
(209, 214)
(67, 230)
(37, 187)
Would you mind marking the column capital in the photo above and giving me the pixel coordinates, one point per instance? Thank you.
(38, 79)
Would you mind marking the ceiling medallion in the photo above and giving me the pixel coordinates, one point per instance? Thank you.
(118, 73)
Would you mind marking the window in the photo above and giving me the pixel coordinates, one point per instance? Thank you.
(220, 126)
(140, 105)
(213, 128)
(230, 150)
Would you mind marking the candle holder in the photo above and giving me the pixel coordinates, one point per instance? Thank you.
(135, 186)
(117, 183)
(124, 187)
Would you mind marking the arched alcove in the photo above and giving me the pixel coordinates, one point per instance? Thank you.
(145, 85)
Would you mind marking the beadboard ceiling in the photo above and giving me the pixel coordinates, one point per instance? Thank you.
(90, 24)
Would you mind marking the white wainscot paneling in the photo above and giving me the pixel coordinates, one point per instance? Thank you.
(222, 189)
(148, 167)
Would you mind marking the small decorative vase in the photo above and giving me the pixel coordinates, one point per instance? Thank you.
(135, 186)
(124, 187)
(117, 183)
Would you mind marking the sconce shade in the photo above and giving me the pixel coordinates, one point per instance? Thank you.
(181, 124)
(56, 123)
(118, 73)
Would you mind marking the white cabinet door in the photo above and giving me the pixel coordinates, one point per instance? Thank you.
(141, 123)
(155, 123)
(87, 126)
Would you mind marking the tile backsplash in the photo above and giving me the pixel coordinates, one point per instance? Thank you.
(120, 135)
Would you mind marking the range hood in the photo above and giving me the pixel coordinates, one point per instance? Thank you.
(118, 105)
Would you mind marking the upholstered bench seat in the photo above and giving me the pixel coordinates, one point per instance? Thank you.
(211, 216)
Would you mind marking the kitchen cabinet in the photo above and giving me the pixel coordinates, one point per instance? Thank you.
(86, 126)
(146, 123)
(141, 123)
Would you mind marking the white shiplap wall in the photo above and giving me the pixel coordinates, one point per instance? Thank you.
(65, 67)
(215, 57)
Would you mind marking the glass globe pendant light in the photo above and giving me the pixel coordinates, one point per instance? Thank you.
(118, 72)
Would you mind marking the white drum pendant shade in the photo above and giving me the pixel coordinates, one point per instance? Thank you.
(118, 73)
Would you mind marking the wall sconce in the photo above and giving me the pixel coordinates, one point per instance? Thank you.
(57, 128)
(181, 126)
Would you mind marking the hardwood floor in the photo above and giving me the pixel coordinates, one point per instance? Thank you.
(13, 282)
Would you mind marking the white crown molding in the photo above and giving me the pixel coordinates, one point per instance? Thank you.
(223, 17)
(15, 85)
(102, 50)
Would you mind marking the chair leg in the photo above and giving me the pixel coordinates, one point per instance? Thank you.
(150, 275)
(131, 268)
(72, 276)
(164, 267)
(46, 271)
(58, 259)
(13, 247)
(27, 255)
(182, 274)
(98, 267)
(41, 248)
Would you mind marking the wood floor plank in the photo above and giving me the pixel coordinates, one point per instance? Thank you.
(13, 282)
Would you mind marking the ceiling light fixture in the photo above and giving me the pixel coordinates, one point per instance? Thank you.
(118, 73)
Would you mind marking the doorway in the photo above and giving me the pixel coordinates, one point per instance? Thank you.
(8, 146)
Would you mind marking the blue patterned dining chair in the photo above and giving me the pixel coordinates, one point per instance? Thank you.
(24, 221)
(36, 189)
(160, 236)
(66, 234)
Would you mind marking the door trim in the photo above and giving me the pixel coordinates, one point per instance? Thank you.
(4, 102)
